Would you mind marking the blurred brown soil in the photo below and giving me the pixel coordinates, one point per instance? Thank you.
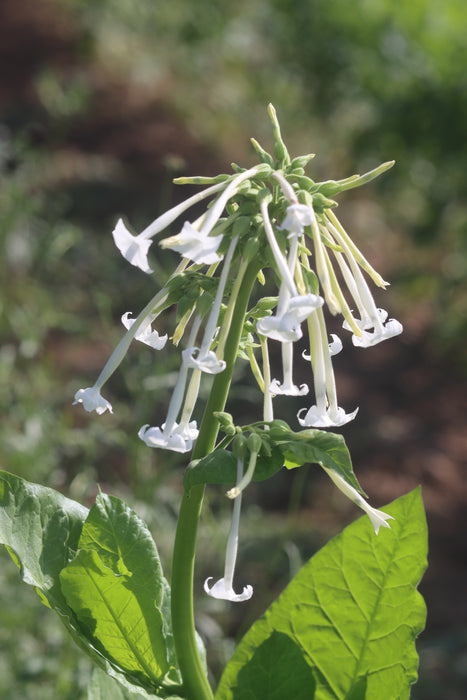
(411, 428)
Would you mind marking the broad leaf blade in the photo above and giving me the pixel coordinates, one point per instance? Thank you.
(124, 544)
(118, 615)
(354, 610)
(40, 529)
(263, 677)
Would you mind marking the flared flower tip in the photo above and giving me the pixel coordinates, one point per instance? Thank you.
(225, 592)
(92, 400)
(279, 389)
(208, 363)
(378, 518)
(194, 245)
(145, 334)
(155, 437)
(133, 248)
(368, 339)
(318, 418)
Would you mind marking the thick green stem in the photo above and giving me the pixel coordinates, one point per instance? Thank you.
(195, 682)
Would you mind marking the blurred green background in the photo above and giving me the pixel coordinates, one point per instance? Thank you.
(101, 105)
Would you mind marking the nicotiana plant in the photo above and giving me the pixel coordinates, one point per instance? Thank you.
(346, 624)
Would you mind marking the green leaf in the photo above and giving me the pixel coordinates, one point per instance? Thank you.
(353, 610)
(118, 615)
(316, 447)
(263, 677)
(220, 467)
(124, 544)
(104, 687)
(40, 529)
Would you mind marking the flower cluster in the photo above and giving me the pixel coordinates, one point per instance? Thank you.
(277, 218)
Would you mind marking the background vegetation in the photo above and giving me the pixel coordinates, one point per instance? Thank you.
(101, 105)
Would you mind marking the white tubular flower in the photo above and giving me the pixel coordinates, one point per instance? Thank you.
(287, 388)
(207, 360)
(145, 334)
(199, 246)
(286, 327)
(378, 517)
(223, 588)
(325, 413)
(371, 317)
(195, 245)
(297, 217)
(168, 440)
(133, 248)
(92, 400)
(174, 436)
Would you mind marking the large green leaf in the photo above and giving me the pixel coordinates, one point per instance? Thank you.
(353, 611)
(118, 615)
(41, 530)
(124, 544)
(116, 589)
(265, 676)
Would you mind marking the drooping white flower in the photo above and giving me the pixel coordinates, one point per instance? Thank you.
(371, 316)
(175, 436)
(92, 400)
(133, 248)
(326, 412)
(145, 334)
(324, 417)
(204, 358)
(286, 327)
(195, 245)
(378, 517)
(206, 362)
(223, 588)
(297, 217)
(165, 439)
(287, 388)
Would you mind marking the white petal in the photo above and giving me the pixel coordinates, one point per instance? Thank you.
(155, 437)
(207, 363)
(279, 328)
(133, 248)
(194, 245)
(336, 345)
(378, 518)
(145, 334)
(92, 400)
(188, 431)
(225, 592)
(287, 389)
(318, 418)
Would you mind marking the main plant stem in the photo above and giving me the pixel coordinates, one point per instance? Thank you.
(195, 683)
